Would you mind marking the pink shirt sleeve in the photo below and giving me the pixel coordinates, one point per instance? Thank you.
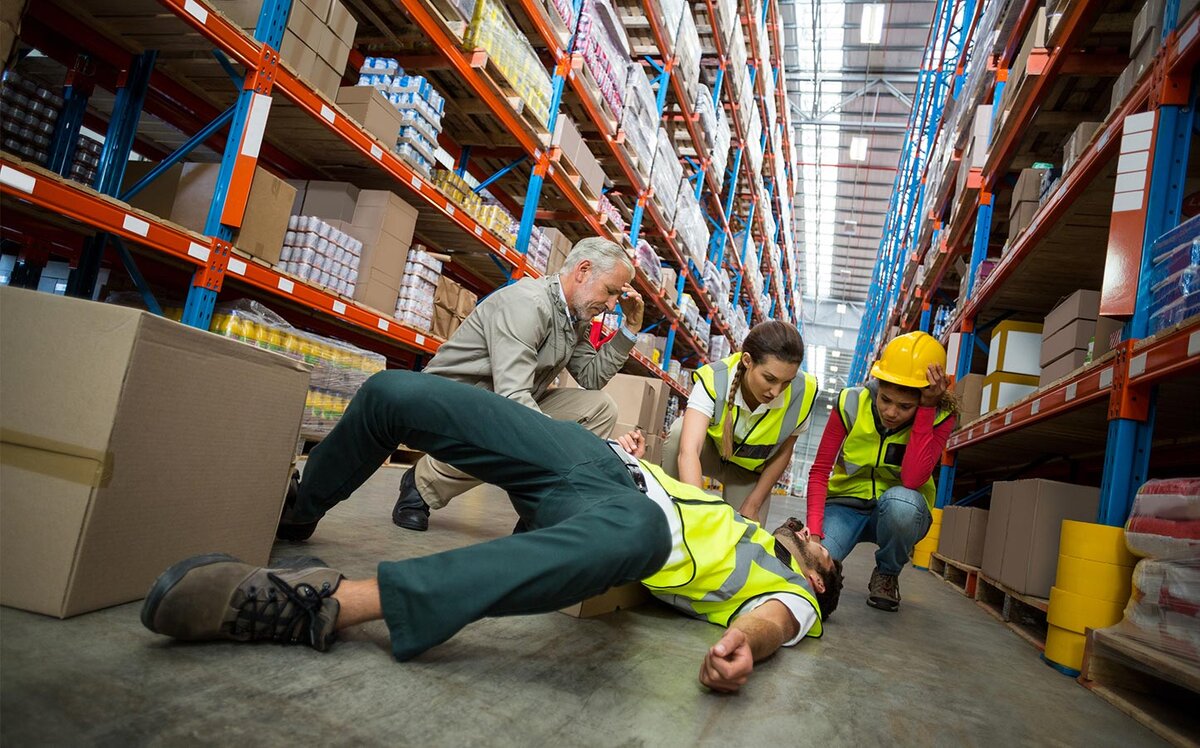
(925, 447)
(818, 475)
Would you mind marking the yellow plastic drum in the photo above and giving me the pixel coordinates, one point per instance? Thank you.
(921, 558)
(1093, 542)
(1064, 647)
(1094, 579)
(1078, 613)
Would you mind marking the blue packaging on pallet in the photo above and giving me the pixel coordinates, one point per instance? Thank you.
(1185, 233)
(1178, 286)
(1182, 257)
(1172, 314)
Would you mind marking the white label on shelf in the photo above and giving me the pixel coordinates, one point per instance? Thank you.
(256, 124)
(1008, 419)
(1072, 390)
(449, 208)
(1133, 162)
(1193, 344)
(1140, 122)
(17, 179)
(1136, 141)
(339, 307)
(987, 427)
(286, 285)
(1127, 201)
(383, 324)
(478, 231)
(236, 266)
(1106, 378)
(199, 251)
(376, 152)
(971, 434)
(420, 340)
(1102, 140)
(327, 114)
(135, 225)
(1137, 365)
(1185, 39)
(1036, 407)
(415, 182)
(195, 10)
(1134, 180)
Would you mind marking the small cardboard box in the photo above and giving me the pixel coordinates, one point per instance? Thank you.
(126, 449)
(964, 530)
(1146, 25)
(970, 393)
(1082, 304)
(1078, 141)
(1016, 348)
(384, 210)
(1060, 367)
(623, 597)
(332, 201)
(371, 109)
(1037, 510)
(1021, 218)
(341, 23)
(1027, 189)
(325, 79)
(946, 540)
(636, 400)
(1074, 337)
(996, 534)
(1001, 389)
(1107, 335)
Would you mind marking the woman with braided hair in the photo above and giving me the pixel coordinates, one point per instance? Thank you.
(743, 417)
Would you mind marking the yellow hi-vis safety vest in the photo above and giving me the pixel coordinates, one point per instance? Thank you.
(870, 460)
(727, 561)
(775, 426)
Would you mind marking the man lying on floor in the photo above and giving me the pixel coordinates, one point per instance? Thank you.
(597, 517)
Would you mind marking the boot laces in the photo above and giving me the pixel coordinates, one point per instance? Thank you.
(287, 614)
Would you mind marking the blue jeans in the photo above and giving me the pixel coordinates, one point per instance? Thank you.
(897, 521)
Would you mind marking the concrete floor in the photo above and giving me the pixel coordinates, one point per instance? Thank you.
(940, 672)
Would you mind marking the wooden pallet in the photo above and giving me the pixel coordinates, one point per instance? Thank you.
(1156, 689)
(960, 576)
(1024, 614)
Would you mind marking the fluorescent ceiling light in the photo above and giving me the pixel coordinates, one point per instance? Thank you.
(838, 333)
(858, 149)
(835, 354)
(833, 368)
(872, 23)
(841, 308)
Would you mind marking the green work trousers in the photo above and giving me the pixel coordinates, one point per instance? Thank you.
(590, 528)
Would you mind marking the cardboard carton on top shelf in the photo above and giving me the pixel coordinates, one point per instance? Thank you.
(385, 210)
(1078, 141)
(1027, 189)
(298, 55)
(1107, 335)
(1083, 304)
(341, 23)
(1146, 26)
(109, 441)
(1061, 367)
(320, 8)
(326, 79)
(1037, 510)
(371, 109)
(331, 201)
(184, 193)
(1020, 220)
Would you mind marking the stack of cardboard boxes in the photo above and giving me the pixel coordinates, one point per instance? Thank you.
(452, 303)
(1066, 334)
(1026, 199)
(1013, 364)
(1144, 43)
(316, 42)
(1035, 39)
(371, 109)
(560, 247)
(574, 150)
(970, 396)
(1077, 143)
(975, 154)
(964, 530)
(1023, 529)
(641, 404)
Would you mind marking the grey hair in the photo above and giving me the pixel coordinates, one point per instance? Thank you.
(602, 253)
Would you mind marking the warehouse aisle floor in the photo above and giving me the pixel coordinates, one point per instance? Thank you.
(941, 672)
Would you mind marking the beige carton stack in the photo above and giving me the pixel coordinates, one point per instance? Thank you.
(560, 247)
(371, 109)
(1066, 334)
(316, 42)
(384, 224)
(574, 149)
(452, 304)
(641, 404)
(1026, 199)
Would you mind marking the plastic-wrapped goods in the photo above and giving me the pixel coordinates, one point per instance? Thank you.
(422, 271)
(691, 227)
(665, 175)
(565, 10)
(1163, 613)
(459, 190)
(338, 369)
(640, 120)
(669, 13)
(537, 254)
(738, 326)
(320, 254)
(706, 114)
(601, 40)
(647, 260)
(1175, 278)
(727, 18)
(687, 53)
(722, 138)
(737, 74)
(420, 105)
(493, 30)
(716, 281)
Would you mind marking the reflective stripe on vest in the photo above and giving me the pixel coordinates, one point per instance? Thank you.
(727, 559)
(772, 429)
(863, 469)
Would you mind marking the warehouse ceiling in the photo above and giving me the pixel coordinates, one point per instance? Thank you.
(850, 97)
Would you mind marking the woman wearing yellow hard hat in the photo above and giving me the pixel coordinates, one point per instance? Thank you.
(872, 478)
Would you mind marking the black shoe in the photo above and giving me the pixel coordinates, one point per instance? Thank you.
(884, 592)
(288, 529)
(411, 512)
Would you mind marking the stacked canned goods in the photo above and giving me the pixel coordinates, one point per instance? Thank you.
(30, 115)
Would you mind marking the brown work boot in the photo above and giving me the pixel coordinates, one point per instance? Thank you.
(215, 596)
(883, 592)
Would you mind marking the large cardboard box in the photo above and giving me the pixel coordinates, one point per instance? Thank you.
(1001, 389)
(1146, 25)
(662, 398)
(326, 79)
(301, 57)
(1082, 304)
(384, 210)
(371, 109)
(1015, 348)
(1021, 219)
(384, 224)
(996, 534)
(623, 597)
(964, 530)
(1107, 335)
(1027, 189)
(636, 401)
(1078, 141)
(341, 23)
(1037, 509)
(126, 449)
(1074, 337)
(183, 195)
(1060, 367)
(332, 201)
(970, 393)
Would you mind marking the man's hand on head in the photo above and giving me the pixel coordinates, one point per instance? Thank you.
(728, 664)
(633, 307)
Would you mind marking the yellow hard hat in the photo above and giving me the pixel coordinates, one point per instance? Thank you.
(906, 360)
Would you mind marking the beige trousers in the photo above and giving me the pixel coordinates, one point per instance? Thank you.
(738, 482)
(592, 409)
